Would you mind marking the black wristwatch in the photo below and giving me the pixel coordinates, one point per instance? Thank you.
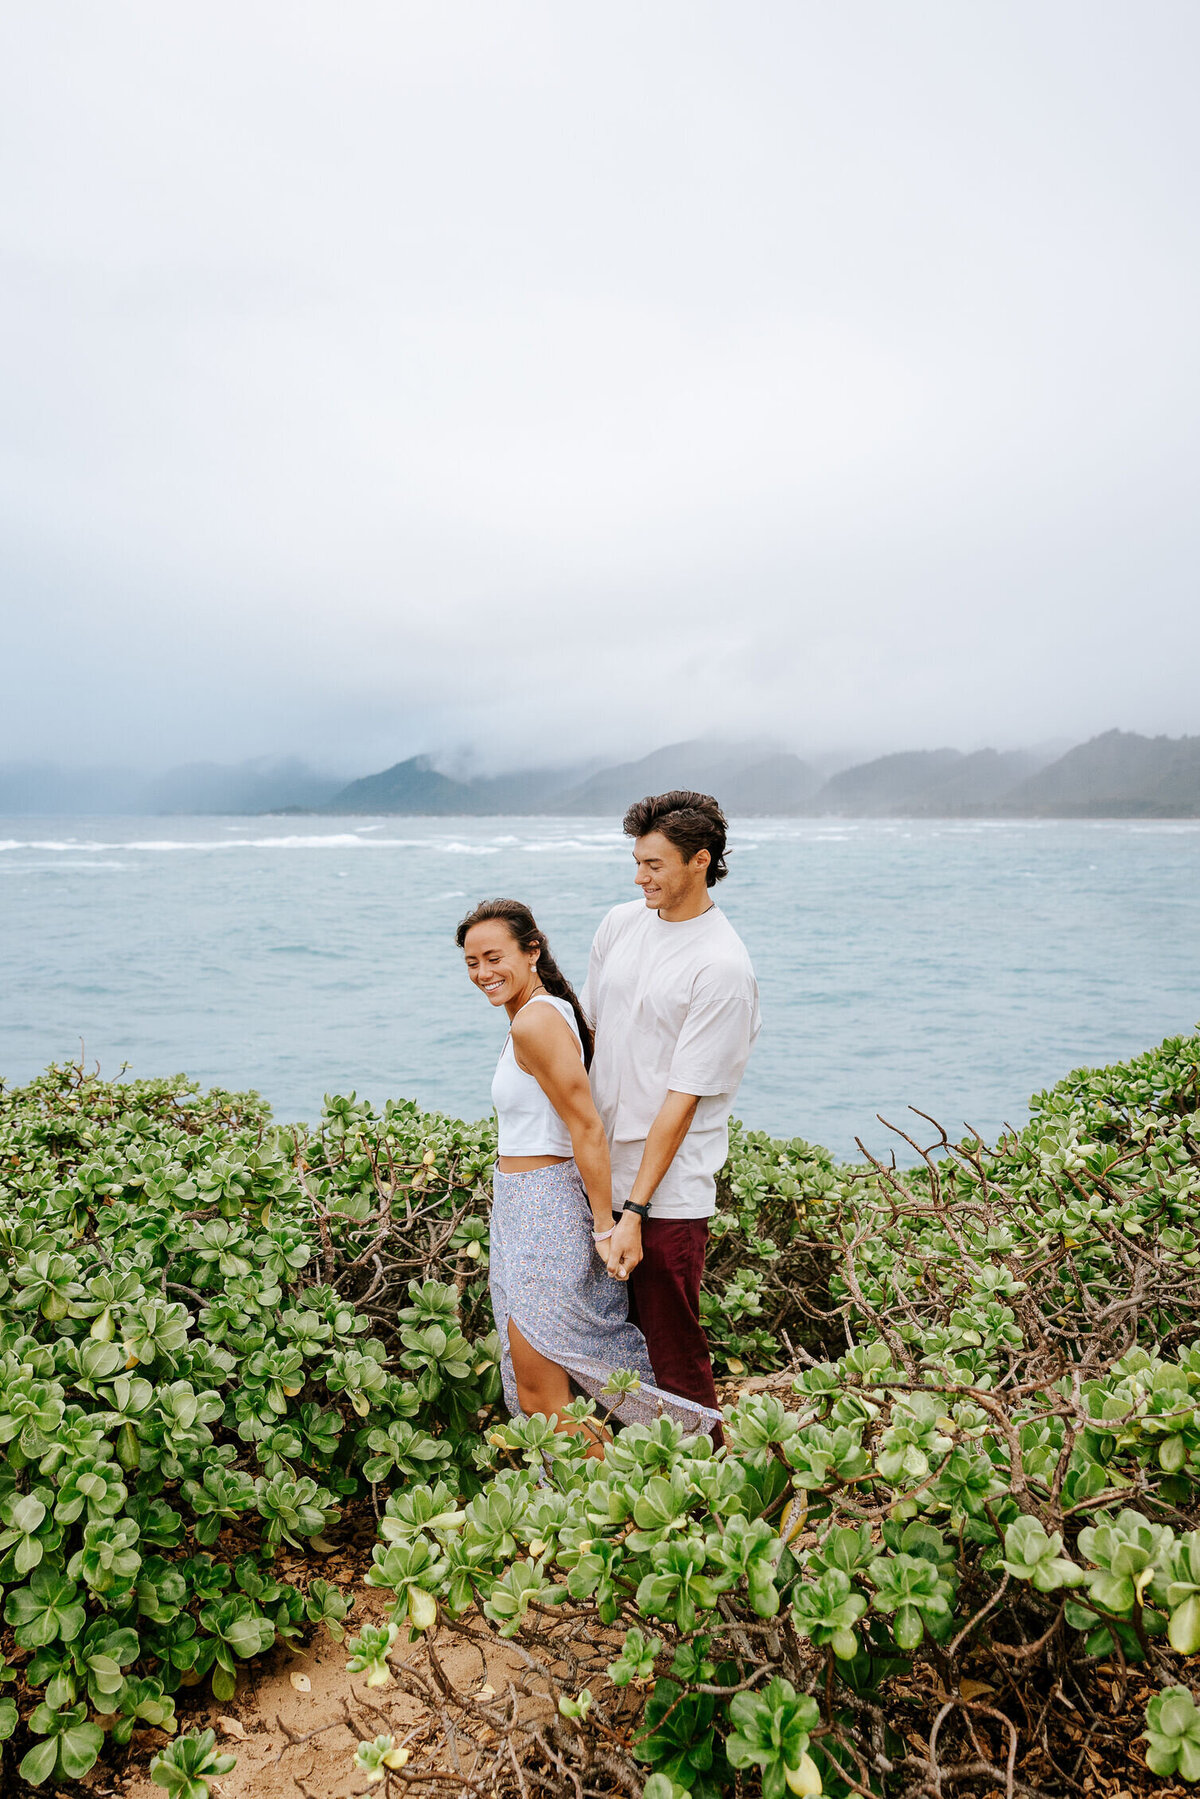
(642, 1211)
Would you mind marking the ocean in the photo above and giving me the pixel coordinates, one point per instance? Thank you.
(952, 967)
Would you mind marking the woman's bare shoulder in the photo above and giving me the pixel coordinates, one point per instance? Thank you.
(536, 1023)
(542, 1030)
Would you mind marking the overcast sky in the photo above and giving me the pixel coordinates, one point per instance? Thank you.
(552, 379)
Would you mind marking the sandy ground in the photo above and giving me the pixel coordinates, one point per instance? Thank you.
(287, 1697)
(297, 1718)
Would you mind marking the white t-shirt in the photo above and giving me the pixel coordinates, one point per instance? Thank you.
(675, 1009)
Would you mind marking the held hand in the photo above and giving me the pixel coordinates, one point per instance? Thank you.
(625, 1246)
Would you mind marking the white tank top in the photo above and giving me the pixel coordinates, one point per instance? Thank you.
(527, 1123)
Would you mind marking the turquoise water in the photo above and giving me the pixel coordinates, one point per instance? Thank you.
(954, 967)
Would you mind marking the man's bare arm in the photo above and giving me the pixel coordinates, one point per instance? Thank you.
(665, 1135)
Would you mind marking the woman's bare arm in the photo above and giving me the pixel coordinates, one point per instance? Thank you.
(545, 1047)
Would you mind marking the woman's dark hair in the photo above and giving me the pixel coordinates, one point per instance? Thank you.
(691, 821)
(523, 927)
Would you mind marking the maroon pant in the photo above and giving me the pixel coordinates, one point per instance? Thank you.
(664, 1302)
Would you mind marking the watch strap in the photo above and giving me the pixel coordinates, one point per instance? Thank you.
(642, 1211)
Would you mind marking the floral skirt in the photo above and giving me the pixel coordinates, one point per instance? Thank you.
(548, 1278)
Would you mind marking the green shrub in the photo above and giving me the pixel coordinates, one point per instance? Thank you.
(989, 1493)
(212, 1331)
(982, 1452)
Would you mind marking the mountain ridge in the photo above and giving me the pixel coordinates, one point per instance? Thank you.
(1117, 774)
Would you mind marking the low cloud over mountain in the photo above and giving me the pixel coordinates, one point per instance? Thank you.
(1116, 775)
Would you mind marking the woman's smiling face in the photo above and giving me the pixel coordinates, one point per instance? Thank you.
(495, 961)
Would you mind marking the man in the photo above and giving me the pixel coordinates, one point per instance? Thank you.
(674, 1003)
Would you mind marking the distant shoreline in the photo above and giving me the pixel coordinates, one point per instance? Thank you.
(983, 816)
(1099, 815)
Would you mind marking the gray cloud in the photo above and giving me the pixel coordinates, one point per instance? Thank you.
(401, 375)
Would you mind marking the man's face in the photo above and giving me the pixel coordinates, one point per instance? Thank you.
(666, 880)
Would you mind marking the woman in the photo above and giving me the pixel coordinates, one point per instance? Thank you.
(562, 1319)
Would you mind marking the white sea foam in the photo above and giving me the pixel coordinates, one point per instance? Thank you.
(334, 841)
(12, 843)
(581, 847)
(746, 835)
(339, 840)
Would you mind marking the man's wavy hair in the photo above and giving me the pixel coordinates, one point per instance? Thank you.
(691, 821)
